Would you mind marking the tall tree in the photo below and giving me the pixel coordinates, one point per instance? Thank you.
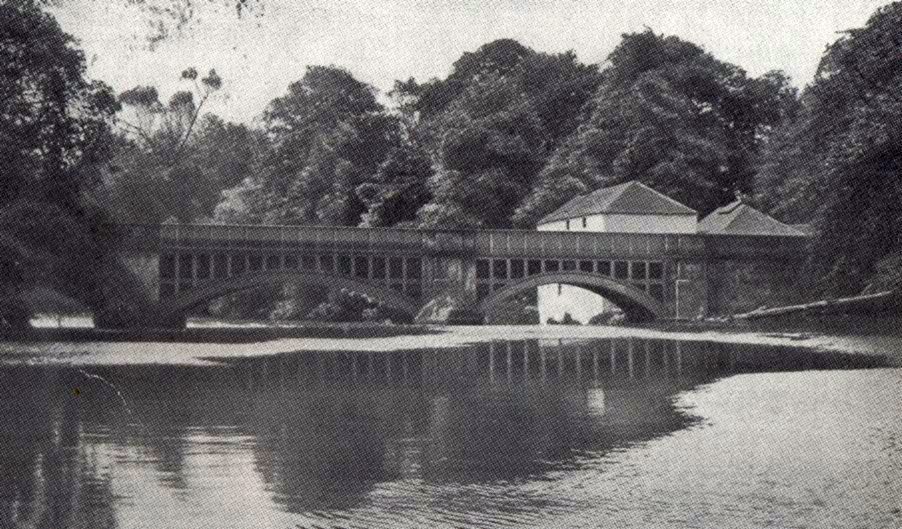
(839, 164)
(329, 136)
(489, 127)
(673, 116)
(54, 135)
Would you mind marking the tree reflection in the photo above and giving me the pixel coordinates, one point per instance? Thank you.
(48, 478)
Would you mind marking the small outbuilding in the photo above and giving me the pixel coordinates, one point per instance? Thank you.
(631, 207)
(738, 218)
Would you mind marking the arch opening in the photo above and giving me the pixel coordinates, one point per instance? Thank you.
(637, 305)
(180, 304)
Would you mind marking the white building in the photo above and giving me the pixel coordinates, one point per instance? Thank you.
(631, 207)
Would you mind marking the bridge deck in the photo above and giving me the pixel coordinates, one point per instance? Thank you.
(487, 243)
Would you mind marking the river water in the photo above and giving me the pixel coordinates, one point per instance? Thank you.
(604, 433)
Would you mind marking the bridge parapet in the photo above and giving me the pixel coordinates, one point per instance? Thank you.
(487, 243)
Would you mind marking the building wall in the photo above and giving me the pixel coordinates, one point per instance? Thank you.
(626, 224)
(556, 300)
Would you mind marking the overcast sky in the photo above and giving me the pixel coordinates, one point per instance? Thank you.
(383, 40)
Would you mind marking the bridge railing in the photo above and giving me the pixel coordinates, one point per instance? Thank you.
(586, 244)
(487, 243)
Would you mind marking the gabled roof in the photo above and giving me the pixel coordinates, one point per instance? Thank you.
(741, 219)
(630, 198)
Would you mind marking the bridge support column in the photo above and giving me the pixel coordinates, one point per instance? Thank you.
(690, 289)
(450, 291)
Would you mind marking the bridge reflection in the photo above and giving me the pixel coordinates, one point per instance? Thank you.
(299, 437)
(531, 362)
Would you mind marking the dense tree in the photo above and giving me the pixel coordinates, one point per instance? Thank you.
(489, 127)
(146, 185)
(671, 115)
(54, 134)
(839, 163)
(53, 121)
(329, 137)
(399, 189)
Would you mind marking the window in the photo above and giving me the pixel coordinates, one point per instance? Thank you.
(585, 223)
(220, 266)
(167, 266)
(203, 266)
(361, 267)
(482, 269)
(569, 266)
(186, 266)
(499, 269)
(344, 265)
(291, 262)
(273, 262)
(516, 269)
(586, 266)
(239, 264)
(604, 268)
(534, 266)
(255, 262)
(552, 266)
(327, 263)
(639, 271)
(655, 270)
(378, 267)
(396, 267)
(308, 262)
(621, 270)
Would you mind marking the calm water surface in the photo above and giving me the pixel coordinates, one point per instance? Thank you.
(615, 433)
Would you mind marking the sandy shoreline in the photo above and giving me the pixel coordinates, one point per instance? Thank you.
(198, 353)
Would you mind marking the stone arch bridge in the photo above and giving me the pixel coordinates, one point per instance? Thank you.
(650, 276)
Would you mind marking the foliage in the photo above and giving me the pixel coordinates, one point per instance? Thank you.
(329, 137)
(347, 306)
(671, 115)
(566, 319)
(54, 137)
(489, 127)
(613, 316)
(838, 164)
(54, 123)
(399, 189)
(144, 184)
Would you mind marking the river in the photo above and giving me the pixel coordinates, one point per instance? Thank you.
(622, 432)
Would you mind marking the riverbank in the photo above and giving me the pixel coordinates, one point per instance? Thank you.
(206, 344)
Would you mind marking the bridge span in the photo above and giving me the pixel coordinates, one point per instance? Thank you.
(650, 276)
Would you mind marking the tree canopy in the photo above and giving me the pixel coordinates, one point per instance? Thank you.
(838, 164)
(671, 115)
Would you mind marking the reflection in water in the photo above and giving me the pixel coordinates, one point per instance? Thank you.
(448, 437)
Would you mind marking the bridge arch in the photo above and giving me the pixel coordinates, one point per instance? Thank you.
(635, 303)
(208, 291)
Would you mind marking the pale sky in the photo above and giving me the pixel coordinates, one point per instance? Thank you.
(383, 40)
